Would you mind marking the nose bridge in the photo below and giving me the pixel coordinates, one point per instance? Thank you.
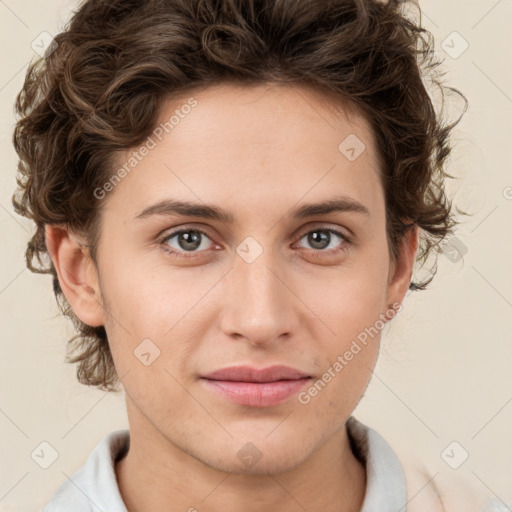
(258, 304)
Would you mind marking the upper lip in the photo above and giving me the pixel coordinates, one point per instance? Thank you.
(249, 374)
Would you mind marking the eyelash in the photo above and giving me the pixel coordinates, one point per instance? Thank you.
(317, 252)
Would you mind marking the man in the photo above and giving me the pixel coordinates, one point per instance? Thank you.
(231, 194)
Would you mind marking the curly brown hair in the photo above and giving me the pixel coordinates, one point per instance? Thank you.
(100, 88)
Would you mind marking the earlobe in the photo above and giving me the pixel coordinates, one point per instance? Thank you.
(76, 272)
(401, 270)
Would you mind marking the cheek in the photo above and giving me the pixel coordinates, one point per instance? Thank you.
(346, 359)
(351, 299)
(151, 298)
(350, 308)
(147, 311)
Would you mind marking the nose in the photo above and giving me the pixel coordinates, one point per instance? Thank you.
(259, 306)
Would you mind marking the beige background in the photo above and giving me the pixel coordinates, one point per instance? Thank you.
(445, 369)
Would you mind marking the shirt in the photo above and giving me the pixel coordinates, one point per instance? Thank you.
(93, 487)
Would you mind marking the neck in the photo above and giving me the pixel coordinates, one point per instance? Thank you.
(332, 480)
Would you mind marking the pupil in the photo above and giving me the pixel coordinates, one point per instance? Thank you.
(190, 239)
(316, 237)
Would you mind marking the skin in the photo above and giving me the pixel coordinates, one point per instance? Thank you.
(258, 152)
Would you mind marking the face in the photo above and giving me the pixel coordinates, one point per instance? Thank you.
(187, 292)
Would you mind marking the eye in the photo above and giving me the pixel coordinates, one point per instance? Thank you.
(185, 241)
(326, 240)
(193, 241)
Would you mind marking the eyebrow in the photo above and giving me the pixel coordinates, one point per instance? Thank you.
(212, 212)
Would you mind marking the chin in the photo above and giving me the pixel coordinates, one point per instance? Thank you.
(259, 457)
(265, 466)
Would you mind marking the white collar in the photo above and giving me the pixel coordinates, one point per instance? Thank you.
(386, 489)
(93, 487)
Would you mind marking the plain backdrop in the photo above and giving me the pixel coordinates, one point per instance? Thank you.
(444, 373)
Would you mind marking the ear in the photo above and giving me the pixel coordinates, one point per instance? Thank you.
(400, 272)
(76, 272)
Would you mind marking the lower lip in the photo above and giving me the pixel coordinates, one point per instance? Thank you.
(257, 394)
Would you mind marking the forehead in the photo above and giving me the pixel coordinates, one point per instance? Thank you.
(259, 114)
(267, 142)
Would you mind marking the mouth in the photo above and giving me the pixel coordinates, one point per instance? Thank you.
(257, 388)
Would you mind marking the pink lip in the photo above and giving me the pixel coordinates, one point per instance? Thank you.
(259, 388)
